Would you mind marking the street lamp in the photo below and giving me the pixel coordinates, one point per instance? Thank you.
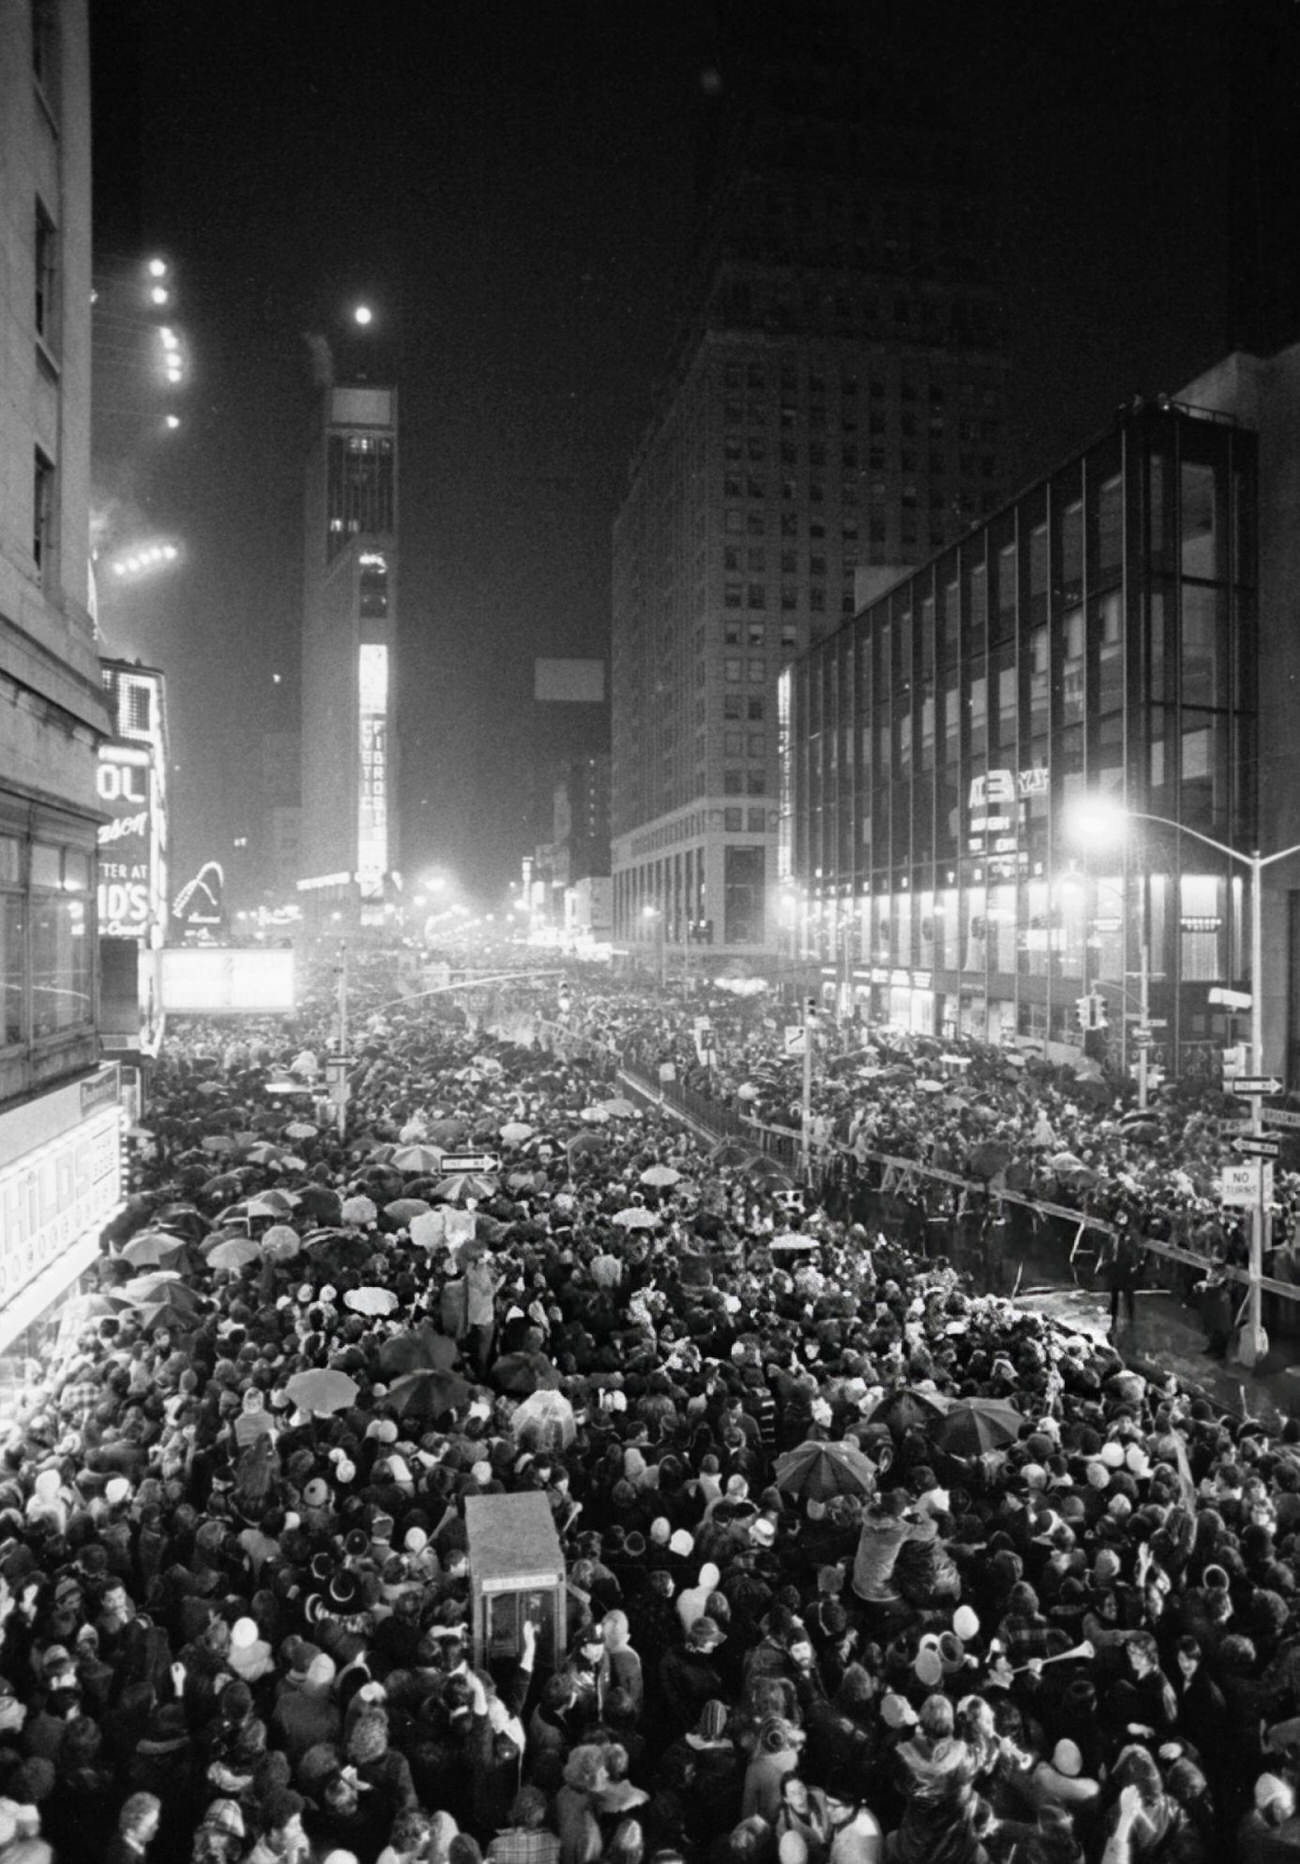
(1100, 820)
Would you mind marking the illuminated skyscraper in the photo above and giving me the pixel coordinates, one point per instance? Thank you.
(349, 829)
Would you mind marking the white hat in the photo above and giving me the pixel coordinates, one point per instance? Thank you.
(681, 1543)
(243, 1634)
(1067, 1758)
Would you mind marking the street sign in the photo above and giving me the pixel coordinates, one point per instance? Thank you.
(1142, 1037)
(1230, 999)
(1256, 1084)
(1244, 1185)
(1152, 1022)
(1279, 1116)
(1257, 1146)
(470, 1161)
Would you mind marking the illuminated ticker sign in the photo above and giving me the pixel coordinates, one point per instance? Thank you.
(372, 799)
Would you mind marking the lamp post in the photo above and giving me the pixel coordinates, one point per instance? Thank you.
(1099, 822)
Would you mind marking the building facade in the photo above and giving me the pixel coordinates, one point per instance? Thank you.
(348, 828)
(1097, 637)
(60, 1121)
(832, 411)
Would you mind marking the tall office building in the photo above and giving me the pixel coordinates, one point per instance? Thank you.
(60, 1118)
(831, 416)
(348, 853)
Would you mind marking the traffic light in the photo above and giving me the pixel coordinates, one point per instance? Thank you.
(1091, 1011)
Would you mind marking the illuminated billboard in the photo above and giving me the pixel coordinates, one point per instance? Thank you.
(132, 785)
(198, 911)
(219, 980)
(130, 876)
(372, 797)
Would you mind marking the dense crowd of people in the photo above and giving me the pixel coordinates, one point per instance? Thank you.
(862, 1564)
(994, 1116)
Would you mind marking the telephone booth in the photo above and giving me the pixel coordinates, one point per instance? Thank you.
(516, 1573)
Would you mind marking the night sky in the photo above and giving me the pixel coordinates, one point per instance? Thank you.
(510, 186)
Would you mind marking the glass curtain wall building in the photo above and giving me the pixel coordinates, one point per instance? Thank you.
(1098, 634)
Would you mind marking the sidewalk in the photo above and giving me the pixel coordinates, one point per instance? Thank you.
(1169, 1338)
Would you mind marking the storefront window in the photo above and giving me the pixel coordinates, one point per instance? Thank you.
(12, 966)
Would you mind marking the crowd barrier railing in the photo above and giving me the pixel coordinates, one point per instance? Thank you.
(899, 1175)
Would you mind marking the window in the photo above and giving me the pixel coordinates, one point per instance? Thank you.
(733, 705)
(43, 542)
(756, 821)
(757, 596)
(733, 782)
(373, 586)
(731, 634)
(733, 520)
(733, 820)
(757, 634)
(756, 783)
(733, 743)
(731, 558)
(731, 595)
(731, 671)
(755, 710)
(757, 672)
(757, 744)
(789, 634)
(47, 279)
(45, 49)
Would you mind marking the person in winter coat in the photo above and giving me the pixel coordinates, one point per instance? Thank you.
(305, 1712)
(576, 1806)
(620, 1666)
(689, 1677)
(777, 1752)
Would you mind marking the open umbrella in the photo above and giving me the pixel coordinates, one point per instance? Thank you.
(320, 1203)
(905, 1409)
(793, 1242)
(448, 1132)
(974, 1426)
(417, 1160)
(176, 1316)
(591, 1145)
(420, 1349)
(271, 1204)
(463, 1184)
(594, 1116)
(544, 1421)
(152, 1248)
(524, 1373)
(301, 1129)
(660, 1175)
(281, 1243)
(619, 1108)
(731, 1152)
(370, 1300)
(145, 1288)
(768, 1172)
(235, 1253)
(262, 1152)
(514, 1132)
(322, 1391)
(816, 1471)
(428, 1393)
(635, 1218)
(402, 1209)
